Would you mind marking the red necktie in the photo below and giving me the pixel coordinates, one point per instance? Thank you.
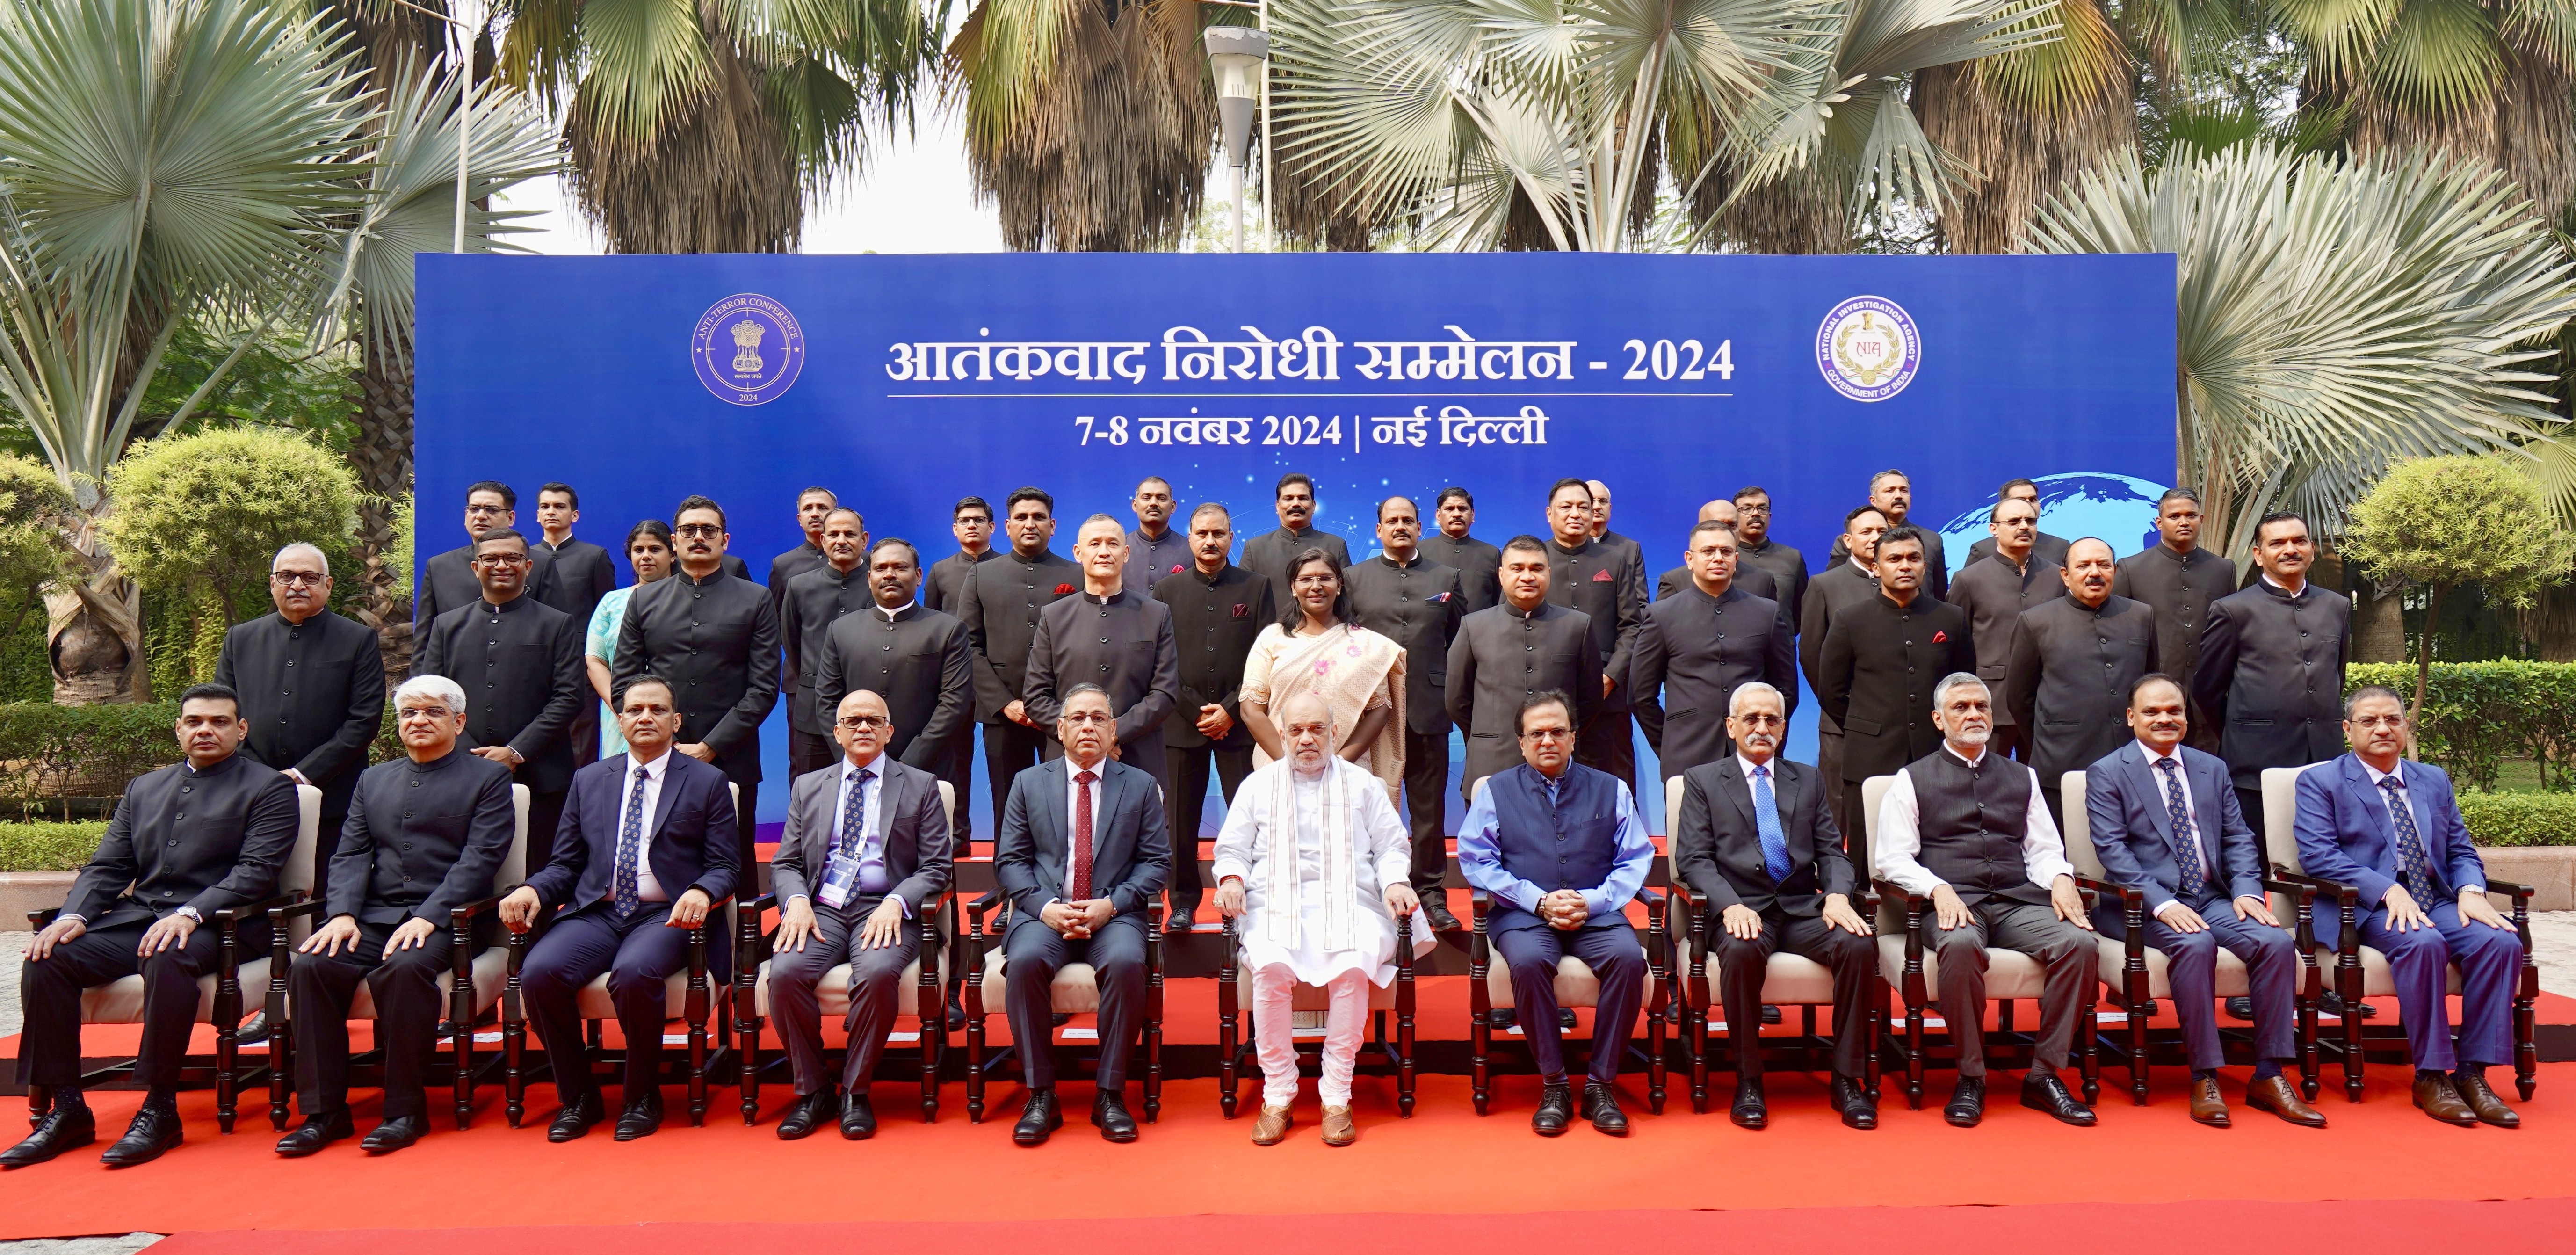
(1082, 835)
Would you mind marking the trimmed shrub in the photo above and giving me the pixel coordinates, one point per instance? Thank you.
(2520, 818)
(2477, 714)
(48, 847)
(49, 752)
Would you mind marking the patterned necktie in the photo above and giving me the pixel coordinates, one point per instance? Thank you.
(854, 812)
(2411, 862)
(2195, 875)
(1081, 888)
(623, 881)
(1766, 822)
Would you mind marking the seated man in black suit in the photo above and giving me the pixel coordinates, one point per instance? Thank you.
(646, 849)
(866, 851)
(186, 841)
(424, 835)
(1082, 853)
(1758, 843)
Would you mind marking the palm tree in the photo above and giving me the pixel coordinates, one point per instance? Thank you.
(2027, 120)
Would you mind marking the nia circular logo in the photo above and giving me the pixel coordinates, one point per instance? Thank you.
(1868, 348)
(748, 349)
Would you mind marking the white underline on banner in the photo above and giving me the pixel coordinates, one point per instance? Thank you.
(1366, 396)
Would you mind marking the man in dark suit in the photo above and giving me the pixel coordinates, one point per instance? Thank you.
(1879, 663)
(1218, 610)
(1000, 610)
(1892, 491)
(584, 573)
(519, 662)
(1995, 594)
(425, 837)
(1752, 579)
(2164, 821)
(1609, 586)
(916, 661)
(2271, 663)
(2391, 829)
(2044, 548)
(1511, 653)
(447, 579)
(1850, 581)
(186, 841)
(648, 845)
(1113, 636)
(1759, 847)
(1270, 552)
(312, 686)
(1699, 644)
(1453, 544)
(1082, 854)
(866, 852)
(714, 637)
(1156, 551)
(1416, 602)
(813, 601)
(1787, 566)
(1601, 533)
(1561, 850)
(2180, 581)
(814, 507)
(2075, 660)
(944, 590)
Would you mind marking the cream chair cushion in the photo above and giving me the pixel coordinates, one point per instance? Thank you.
(833, 994)
(1076, 990)
(491, 967)
(1576, 986)
(120, 1001)
(2280, 826)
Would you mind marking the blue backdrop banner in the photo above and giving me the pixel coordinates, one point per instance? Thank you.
(905, 382)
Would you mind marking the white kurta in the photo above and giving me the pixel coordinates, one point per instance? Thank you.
(1315, 856)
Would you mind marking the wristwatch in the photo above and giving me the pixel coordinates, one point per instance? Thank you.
(194, 916)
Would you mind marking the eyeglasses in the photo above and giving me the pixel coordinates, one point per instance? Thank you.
(707, 531)
(500, 559)
(2378, 721)
(298, 579)
(1088, 719)
(423, 712)
(864, 723)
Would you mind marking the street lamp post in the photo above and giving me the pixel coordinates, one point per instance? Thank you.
(1238, 55)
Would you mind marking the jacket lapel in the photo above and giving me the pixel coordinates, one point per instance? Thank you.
(2357, 789)
(891, 802)
(672, 774)
(1051, 821)
(2134, 761)
(1742, 792)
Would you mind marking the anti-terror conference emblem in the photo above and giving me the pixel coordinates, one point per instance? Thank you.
(748, 349)
(1868, 348)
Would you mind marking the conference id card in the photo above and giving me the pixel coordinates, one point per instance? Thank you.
(840, 880)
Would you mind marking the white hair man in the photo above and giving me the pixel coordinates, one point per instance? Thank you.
(1314, 860)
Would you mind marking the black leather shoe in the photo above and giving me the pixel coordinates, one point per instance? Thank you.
(1967, 1102)
(315, 1133)
(1555, 1109)
(1601, 1107)
(253, 1029)
(1565, 1017)
(1860, 1111)
(395, 1134)
(1182, 920)
(1109, 1111)
(1770, 1013)
(2332, 1004)
(2049, 1094)
(62, 1129)
(154, 1131)
(1749, 1112)
(956, 1013)
(1038, 1119)
(1436, 914)
(577, 1117)
(805, 1114)
(1061, 1019)
(642, 1116)
(2240, 1009)
(1501, 1019)
(858, 1119)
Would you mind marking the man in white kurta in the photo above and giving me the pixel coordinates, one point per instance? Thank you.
(1314, 860)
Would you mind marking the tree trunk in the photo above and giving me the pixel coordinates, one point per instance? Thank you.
(94, 629)
(2424, 657)
(2378, 624)
(381, 455)
(2549, 624)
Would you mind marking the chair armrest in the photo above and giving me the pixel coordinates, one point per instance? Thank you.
(233, 917)
(281, 914)
(479, 906)
(1894, 890)
(38, 921)
(982, 906)
(2518, 892)
(2128, 897)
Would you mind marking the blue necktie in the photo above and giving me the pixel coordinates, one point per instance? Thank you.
(2411, 863)
(1766, 822)
(2195, 874)
(854, 812)
(630, 843)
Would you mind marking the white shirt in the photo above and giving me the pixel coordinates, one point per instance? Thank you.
(1072, 795)
(1900, 835)
(890, 614)
(2208, 872)
(647, 889)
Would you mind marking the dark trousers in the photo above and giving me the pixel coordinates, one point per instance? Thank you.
(1009, 749)
(796, 1008)
(960, 775)
(1829, 762)
(2490, 962)
(639, 955)
(809, 751)
(325, 844)
(1034, 952)
(1740, 968)
(409, 989)
(1426, 802)
(1611, 951)
(2191, 970)
(2250, 801)
(746, 818)
(545, 816)
(49, 1052)
(1608, 742)
(1185, 805)
(585, 735)
(1855, 833)
(2067, 952)
(2010, 743)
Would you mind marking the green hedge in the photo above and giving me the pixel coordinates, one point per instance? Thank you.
(47, 847)
(50, 752)
(2477, 714)
(2520, 818)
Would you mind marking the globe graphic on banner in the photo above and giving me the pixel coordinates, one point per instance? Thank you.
(2120, 509)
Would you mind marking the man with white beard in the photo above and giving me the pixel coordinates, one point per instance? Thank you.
(1314, 860)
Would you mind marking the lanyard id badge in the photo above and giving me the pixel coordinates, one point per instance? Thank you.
(840, 880)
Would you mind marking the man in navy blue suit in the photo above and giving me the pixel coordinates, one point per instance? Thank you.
(2166, 822)
(2391, 829)
(646, 848)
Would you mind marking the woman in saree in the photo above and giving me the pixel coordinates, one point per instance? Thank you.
(1316, 648)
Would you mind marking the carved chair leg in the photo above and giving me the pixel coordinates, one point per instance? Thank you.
(2348, 976)
(2137, 1053)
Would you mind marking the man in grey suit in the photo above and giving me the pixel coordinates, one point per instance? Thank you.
(1515, 651)
(2271, 664)
(2048, 549)
(1113, 636)
(1698, 645)
(1995, 594)
(2180, 581)
(2074, 661)
(1416, 602)
(865, 854)
(1851, 581)
(1000, 610)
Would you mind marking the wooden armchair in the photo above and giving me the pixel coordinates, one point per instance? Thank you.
(1234, 989)
(1075, 991)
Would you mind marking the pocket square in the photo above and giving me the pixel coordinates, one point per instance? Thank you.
(1601, 577)
(1242, 611)
(1940, 638)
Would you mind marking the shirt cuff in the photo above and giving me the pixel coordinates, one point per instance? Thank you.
(74, 916)
(1596, 903)
(2158, 908)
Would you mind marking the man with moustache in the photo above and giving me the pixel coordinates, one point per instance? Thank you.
(447, 579)
(1995, 594)
(944, 590)
(915, 660)
(2075, 661)
(1117, 638)
(1454, 545)
(813, 506)
(1752, 579)
(2180, 581)
(1787, 566)
(1270, 552)
(2271, 663)
(1893, 493)
(1000, 610)
(1155, 550)
(520, 663)
(583, 573)
(1507, 654)
(2047, 549)
(1698, 646)
(312, 686)
(1218, 610)
(812, 602)
(1415, 602)
(1608, 586)
(1879, 661)
(1603, 536)
(1850, 581)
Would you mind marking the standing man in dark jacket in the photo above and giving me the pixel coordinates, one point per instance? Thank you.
(584, 573)
(714, 637)
(1698, 646)
(944, 590)
(2180, 581)
(2044, 548)
(447, 579)
(1112, 636)
(1850, 581)
(1218, 610)
(520, 663)
(1270, 552)
(1609, 585)
(2271, 664)
(1892, 491)
(1880, 661)
(1415, 602)
(312, 686)
(1453, 544)
(1755, 580)
(1000, 610)
(816, 599)
(1995, 594)
(1787, 566)
(1156, 551)
(1508, 654)
(813, 506)
(2075, 660)
(915, 660)
(1607, 539)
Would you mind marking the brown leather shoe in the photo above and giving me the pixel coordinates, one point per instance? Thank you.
(2490, 1109)
(2441, 1100)
(1272, 1127)
(2280, 1096)
(1339, 1131)
(2208, 1106)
